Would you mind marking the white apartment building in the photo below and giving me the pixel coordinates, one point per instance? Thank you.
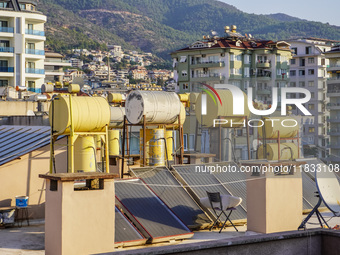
(308, 70)
(333, 92)
(54, 65)
(22, 40)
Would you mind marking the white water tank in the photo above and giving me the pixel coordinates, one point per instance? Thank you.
(159, 107)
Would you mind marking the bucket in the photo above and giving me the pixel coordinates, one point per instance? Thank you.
(21, 201)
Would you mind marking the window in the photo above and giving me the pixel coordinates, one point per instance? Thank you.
(311, 107)
(239, 57)
(312, 95)
(184, 73)
(310, 71)
(308, 50)
(31, 65)
(311, 130)
(31, 46)
(232, 57)
(294, 50)
(185, 86)
(185, 142)
(292, 84)
(3, 83)
(3, 5)
(182, 60)
(3, 63)
(293, 61)
(30, 26)
(302, 62)
(323, 61)
(301, 83)
(310, 60)
(247, 59)
(191, 142)
(311, 84)
(292, 72)
(31, 84)
(4, 43)
(3, 23)
(246, 72)
(301, 72)
(22, 6)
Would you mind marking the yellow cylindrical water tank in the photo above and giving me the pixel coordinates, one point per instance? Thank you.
(169, 144)
(47, 88)
(73, 88)
(154, 147)
(114, 139)
(115, 98)
(117, 117)
(286, 151)
(214, 110)
(159, 107)
(274, 127)
(182, 116)
(84, 154)
(90, 114)
(183, 97)
(58, 84)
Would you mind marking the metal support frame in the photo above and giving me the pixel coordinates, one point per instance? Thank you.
(72, 137)
(278, 140)
(220, 135)
(178, 126)
(318, 214)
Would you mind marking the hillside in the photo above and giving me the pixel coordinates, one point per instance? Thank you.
(161, 26)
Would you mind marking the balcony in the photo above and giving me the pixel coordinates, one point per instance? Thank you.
(207, 77)
(207, 64)
(35, 52)
(333, 106)
(263, 64)
(333, 92)
(7, 29)
(334, 67)
(334, 119)
(333, 80)
(6, 69)
(35, 71)
(235, 76)
(263, 92)
(334, 132)
(265, 77)
(7, 49)
(34, 32)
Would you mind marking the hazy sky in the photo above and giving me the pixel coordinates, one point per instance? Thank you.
(313, 10)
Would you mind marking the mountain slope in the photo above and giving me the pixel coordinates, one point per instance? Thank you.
(160, 26)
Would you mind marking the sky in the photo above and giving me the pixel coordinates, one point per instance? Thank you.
(312, 10)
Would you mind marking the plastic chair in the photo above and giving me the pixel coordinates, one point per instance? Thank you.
(215, 197)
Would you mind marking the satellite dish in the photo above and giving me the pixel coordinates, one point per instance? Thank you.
(329, 189)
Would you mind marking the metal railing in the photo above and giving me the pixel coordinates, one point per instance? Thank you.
(35, 52)
(6, 69)
(35, 71)
(34, 32)
(7, 29)
(7, 49)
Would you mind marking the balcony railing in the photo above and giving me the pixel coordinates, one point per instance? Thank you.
(7, 49)
(7, 29)
(206, 75)
(57, 60)
(35, 52)
(34, 32)
(6, 69)
(35, 71)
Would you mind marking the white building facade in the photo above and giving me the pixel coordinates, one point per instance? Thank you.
(308, 70)
(22, 40)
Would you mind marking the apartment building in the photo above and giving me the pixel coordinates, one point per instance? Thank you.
(54, 67)
(308, 70)
(22, 40)
(333, 92)
(233, 59)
